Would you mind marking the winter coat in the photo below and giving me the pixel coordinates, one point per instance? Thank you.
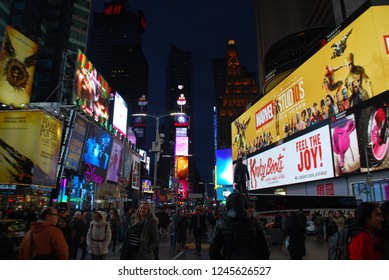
(149, 239)
(198, 230)
(47, 240)
(221, 246)
(296, 231)
(99, 236)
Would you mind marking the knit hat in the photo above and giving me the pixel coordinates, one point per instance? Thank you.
(235, 200)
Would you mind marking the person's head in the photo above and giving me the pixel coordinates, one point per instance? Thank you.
(99, 216)
(303, 114)
(354, 86)
(50, 215)
(329, 100)
(144, 210)
(339, 213)
(315, 108)
(250, 205)
(77, 215)
(368, 214)
(62, 223)
(235, 200)
(85, 215)
(350, 60)
(385, 211)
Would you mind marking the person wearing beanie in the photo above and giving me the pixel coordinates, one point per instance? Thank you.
(99, 236)
(236, 236)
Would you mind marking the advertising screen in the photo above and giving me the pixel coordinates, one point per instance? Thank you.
(29, 148)
(76, 143)
(182, 167)
(90, 89)
(224, 174)
(223, 192)
(96, 155)
(17, 65)
(181, 120)
(114, 162)
(181, 146)
(342, 74)
(120, 112)
(306, 158)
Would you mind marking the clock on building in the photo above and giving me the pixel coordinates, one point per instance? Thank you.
(233, 60)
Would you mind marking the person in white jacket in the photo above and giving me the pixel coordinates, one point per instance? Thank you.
(99, 236)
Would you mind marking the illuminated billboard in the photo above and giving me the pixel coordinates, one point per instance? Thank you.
(17, 65)
(120, 112)
(181, 146)
(76, 143)
(114, 162)
(342, 74)
(302, 159)
(97, 150)
(224, 174)
(29, 148)
(91, 91)
(182, 167)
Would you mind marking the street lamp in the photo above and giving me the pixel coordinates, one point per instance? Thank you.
(156, 145)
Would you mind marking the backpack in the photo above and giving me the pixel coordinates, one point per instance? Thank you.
(338, 243)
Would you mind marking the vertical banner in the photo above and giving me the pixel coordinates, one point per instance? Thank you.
(17, 65)
(29, 148)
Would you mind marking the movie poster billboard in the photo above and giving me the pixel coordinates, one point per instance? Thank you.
(114, 162)
(76, 143)
(29, 148)
(303, 159)
(346, 71)
(18, 56)
(345, 146)
(91, 91)
(97, 151)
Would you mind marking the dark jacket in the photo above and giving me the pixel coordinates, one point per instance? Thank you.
(198, 230)
(252, 237)
(296, 231)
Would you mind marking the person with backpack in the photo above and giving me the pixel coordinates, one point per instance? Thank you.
(364, 242)
(236, 236)
(98, 236)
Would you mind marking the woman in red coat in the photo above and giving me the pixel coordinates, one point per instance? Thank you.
(365, 244)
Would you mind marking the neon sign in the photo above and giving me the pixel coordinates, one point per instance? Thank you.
(90, 174)
(113, 9)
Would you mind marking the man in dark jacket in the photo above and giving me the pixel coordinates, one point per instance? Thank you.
(236, 236)
(241, 176)
(198, 228)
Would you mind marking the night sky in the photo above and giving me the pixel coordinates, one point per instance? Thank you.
(203, 28)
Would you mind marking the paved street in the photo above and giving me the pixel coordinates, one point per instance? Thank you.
(316, 250)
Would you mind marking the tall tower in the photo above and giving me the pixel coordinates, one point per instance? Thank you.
(239, 89)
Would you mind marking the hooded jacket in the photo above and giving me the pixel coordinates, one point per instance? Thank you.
(47, 240)
(99, 236)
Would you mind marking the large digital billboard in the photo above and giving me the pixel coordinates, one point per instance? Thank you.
(302, 159)
(76, 143)
(97, 151)
(225, 172)
(90, 89)
(17, 66)
(350, 68)
(120, 112)
(29, 148)
(114, 168)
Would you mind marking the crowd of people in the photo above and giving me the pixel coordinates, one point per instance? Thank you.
(233, 232)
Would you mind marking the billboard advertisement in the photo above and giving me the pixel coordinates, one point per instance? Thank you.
(29, 148)
(114, 162)
(17, 65)
(120, 112)
(342, 74)
(306, 158)
(91, 91)
(97, 151)
(225, 172)
(76, 143)
(182, 167)
(182, 146)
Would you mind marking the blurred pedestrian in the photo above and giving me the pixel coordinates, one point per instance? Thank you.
(296, 232)
(77, 234)
(114, 222)
(173, 228)
(198, 228)
(365, 243)
(142, 237)
(44, 240)
(86, 220)
(99, 236)
(64, 226)
(182, 231)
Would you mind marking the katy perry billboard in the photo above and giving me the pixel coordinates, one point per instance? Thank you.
(17, 66)
(29, 148)
(342, 74)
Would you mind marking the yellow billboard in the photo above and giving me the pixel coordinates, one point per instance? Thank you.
(29, 148)
(17, 64)
(351, 67)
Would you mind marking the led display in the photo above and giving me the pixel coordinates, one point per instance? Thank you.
(224, 174)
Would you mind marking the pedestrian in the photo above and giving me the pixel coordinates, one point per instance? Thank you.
(365, 243)
(44, 240)
(173, 228)
(198, 228)
(86, 220)
(385, 229)
(99, 236)
(77, 234)
(236, 236)
(142, 237)
(114, 222)
(241, 176)
(296, 232)
(340, 220)
(181, 231)
(64, 226)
